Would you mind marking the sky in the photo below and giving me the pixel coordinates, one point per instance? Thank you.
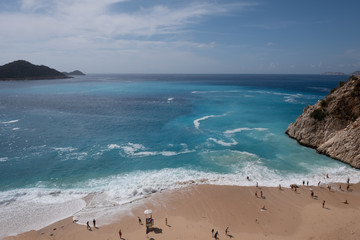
(183, 36)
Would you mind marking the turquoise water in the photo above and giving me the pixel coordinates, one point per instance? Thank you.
(121, 137)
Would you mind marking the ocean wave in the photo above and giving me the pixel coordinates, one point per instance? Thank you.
(169, 100)
(132, 148)
(68, 153)
(9, 122)
(139, 150)
(237, 130)
(64, 149)
(223, 143)
(197, 121)
(113, 146)
(27, 209)
(4, 159)
(15, 129)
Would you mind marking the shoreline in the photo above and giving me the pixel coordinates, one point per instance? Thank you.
(193, 211)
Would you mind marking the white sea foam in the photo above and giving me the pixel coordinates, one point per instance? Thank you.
(197, 121)
(27, 209)
(113, 146)
(68, 153)
(64, 149)
(132, 148)
(223, 143)
(15, 129)
(237, 130)
(139, 150)
(12, 121)
(170, 100)
(3, 159)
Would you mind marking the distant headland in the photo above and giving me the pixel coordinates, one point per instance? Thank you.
(23, 70)
(334, 73)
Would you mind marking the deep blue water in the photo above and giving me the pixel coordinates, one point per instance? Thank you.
(124, 136)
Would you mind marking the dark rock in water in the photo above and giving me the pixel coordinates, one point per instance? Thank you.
(75, 73)
(23, 70)
(332, 125)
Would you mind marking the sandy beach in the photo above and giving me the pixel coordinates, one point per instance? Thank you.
(192, 212)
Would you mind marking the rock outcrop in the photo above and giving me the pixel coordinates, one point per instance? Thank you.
(332, 125)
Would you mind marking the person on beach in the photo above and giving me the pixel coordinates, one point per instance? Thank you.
(256, 194)
(312, 194)
(257, 185)
(303, 183)
(140, 222)
(248, 178)
(323, 204)
(307, 183)
(327, 175)
(345, 202)
(120, 233)
(348, 187)
(329, 187)
(94, 222)
(348, 181)
(212, 232)
(166, 221)
(319, 183)
(88, 226)
(226, 231)
(216, 235)
(279, 186)
(261, 194)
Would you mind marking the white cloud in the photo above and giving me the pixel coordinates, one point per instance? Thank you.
(50, 29)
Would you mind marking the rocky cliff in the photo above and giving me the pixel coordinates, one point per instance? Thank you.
(332, 125)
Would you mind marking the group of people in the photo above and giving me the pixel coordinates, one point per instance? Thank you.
(88, 225)
(216, 234)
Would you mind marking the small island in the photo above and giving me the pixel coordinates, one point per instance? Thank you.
(74, 73)
(23, 70)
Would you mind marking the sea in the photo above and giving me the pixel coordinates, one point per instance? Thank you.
(87, 146)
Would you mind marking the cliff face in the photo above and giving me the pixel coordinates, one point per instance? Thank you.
(332, 125)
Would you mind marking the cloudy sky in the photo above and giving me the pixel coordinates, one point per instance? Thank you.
(183, 36)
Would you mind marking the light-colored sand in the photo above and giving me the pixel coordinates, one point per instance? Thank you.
(193, 211)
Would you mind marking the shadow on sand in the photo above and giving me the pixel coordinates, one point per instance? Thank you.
(156, 230)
